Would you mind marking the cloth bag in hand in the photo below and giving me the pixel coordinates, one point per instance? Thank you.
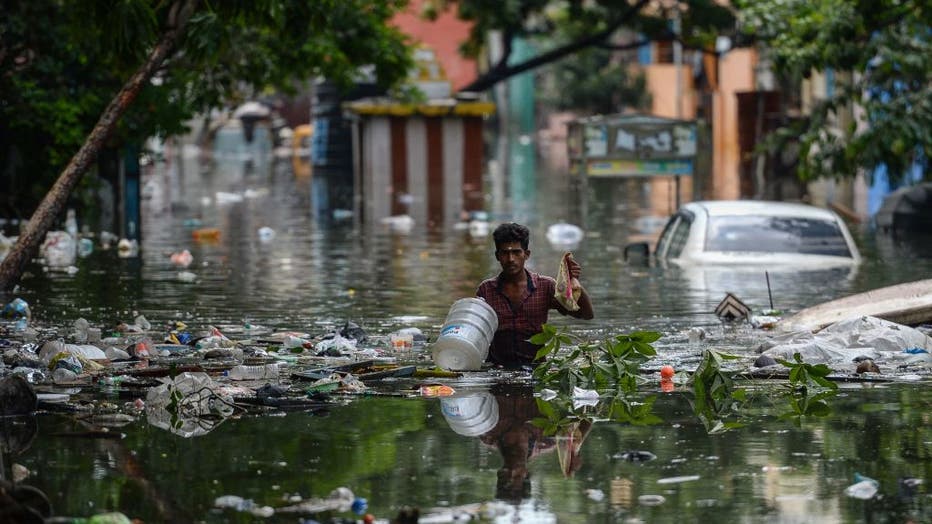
(568, 289)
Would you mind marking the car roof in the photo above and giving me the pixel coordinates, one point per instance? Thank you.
(760, 208)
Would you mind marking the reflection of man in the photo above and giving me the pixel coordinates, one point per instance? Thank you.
(516, 438)
(522, 299)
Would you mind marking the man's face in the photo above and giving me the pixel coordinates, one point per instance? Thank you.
(512, 257)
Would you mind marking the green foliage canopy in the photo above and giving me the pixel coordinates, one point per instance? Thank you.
(886, 45)
(563, 28)
(62, 62)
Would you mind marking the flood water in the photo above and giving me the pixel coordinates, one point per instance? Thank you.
(399, 449)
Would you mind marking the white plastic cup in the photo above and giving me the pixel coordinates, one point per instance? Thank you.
(466, 335)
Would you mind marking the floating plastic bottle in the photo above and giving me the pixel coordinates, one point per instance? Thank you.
(71, 223)
(291, 342)
(267, 371)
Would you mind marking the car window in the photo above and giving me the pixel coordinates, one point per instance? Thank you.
(775, 235)
(674, 236)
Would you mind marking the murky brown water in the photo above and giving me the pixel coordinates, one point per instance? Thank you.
(317, 273)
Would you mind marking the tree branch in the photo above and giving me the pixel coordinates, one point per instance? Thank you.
(502, 71)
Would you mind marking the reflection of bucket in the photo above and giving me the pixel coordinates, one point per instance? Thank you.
(470, 415)
(466, 335)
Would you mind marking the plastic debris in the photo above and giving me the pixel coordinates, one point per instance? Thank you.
(841, 343)
(547, 394)
(678, 480)
(436, 390)
(340, 499)
(182, 258)
(266, 234)
(651, 500)
(565, 235)
(127, 248)
(336, 346)
(267, 371)
(402, 224)
(206, 235)
(59, 249)
(85, 247)
(695, 335)
(864, 488)
(584, 397)
(188, 405)
(16, 309)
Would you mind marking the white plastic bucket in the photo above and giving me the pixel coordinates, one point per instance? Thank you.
(470, 415)
(466, 335)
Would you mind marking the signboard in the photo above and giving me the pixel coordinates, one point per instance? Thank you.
(666, 141)
(632, 145)
(639, 167)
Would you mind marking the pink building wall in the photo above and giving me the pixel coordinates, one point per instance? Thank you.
(444, 36)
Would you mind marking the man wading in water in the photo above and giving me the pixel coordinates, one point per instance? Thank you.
(522, 299)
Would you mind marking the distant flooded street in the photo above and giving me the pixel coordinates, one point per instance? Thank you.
(278, 259)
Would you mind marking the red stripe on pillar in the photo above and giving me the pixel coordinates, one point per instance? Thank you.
(434, 172)
(399, 145)
(472, 164)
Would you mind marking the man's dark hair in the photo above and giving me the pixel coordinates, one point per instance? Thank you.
(512, 232)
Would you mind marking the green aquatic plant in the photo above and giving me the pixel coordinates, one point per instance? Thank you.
(561, 412)
(613, 362)
(808, 390)
(808, 376)
(715, 397)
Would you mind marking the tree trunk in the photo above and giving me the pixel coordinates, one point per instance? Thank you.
(27, 245)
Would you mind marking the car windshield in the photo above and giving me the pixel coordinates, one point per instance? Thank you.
(775, 235)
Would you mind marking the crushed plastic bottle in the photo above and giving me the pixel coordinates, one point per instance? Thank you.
(266, 371)
(71, 223)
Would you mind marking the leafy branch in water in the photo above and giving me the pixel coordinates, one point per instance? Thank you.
(613, 362)
(715, 397)
(560, 412)
(809, 388)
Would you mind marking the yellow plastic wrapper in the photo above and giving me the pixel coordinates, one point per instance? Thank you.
(568, 288)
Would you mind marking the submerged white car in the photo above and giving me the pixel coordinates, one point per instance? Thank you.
(753, 232)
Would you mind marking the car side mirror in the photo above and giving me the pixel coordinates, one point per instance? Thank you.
(638, 252)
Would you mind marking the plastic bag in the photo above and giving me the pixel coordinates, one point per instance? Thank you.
(568, 288)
